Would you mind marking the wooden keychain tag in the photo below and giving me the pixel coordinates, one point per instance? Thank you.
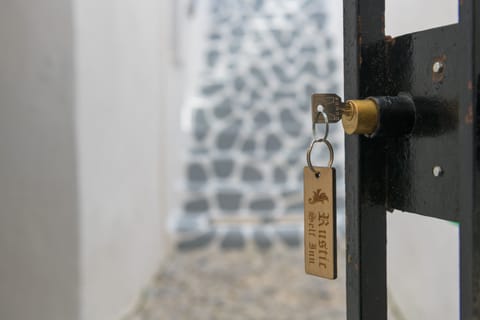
(320, 222)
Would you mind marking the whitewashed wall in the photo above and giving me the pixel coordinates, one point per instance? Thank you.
(39, 243)
(407, 16)
(120, 82)
(82, 94)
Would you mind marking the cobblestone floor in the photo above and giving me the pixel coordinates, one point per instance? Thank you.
(243, 284)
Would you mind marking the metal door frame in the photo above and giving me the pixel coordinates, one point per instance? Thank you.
(372, 67)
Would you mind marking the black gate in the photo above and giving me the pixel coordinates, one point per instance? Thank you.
(436, 171)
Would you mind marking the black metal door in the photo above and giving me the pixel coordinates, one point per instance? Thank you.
(396, 173)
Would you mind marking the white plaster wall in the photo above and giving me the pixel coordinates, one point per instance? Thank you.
(186, 58)
(121, 78)
(407, 16)
(82, 101)
(423, 267)
(38, 203)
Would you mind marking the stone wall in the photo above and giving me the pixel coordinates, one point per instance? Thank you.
(249, 121)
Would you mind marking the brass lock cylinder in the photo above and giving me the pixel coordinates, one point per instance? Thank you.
(386, 116)
(360, 117)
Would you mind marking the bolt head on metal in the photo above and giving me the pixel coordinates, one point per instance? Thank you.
(437, 171)
(437, 67)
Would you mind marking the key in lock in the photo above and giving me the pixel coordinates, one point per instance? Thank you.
(373, 116)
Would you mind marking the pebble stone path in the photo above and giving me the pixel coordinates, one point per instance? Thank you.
(241, 284)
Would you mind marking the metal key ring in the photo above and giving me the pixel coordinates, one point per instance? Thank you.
(309, 153)
(314, 129)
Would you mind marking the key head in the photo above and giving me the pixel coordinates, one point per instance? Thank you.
(332, 106)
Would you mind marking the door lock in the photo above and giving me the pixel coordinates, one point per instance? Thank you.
(373, 116)
(360, 117)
